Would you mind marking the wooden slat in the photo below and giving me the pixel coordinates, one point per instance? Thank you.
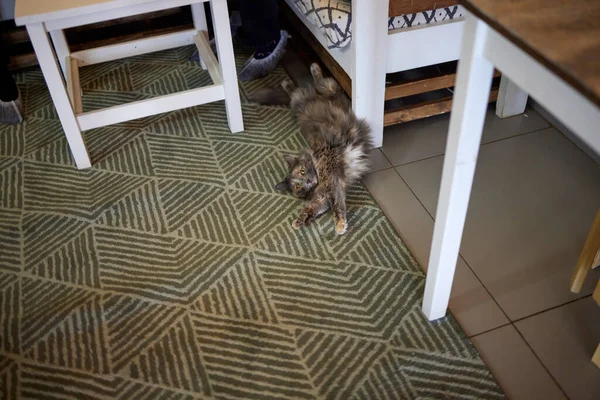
(73, 86)
(405, 89)
(423, 110)
(400, 7)
(207, 55)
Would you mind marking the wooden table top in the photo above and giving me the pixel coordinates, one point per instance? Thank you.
(32, 11)
(563, 35)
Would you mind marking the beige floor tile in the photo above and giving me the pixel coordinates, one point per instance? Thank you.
(417, 140)
(470, 303)
(564, 339)
(517, 370)
(533, 202)
(378, 160)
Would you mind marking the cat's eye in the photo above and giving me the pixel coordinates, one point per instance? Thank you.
(302, 171)
(298, 185)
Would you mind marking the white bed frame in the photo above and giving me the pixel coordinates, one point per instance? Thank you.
(375, 51)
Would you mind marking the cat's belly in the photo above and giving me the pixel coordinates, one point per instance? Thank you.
(356, 163)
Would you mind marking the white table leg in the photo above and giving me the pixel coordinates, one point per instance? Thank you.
(199, 17)
(369, 42)
(512, 100)
(473, 83)
(220, 18)
(56, 86)
(61, 47)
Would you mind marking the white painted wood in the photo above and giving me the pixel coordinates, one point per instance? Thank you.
(209, 58)
(54, 81)
(369, 44)
(569, 106)
(73, 87)
(220, 20)
(469, 105)
(65, 14)
(512, 100)
(199, 18)
(423, 45)
(134, 48)
(144, 108)
(61, 48)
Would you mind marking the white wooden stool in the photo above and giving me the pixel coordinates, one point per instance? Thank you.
(48, 16)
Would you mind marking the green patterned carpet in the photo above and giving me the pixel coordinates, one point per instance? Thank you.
(170, 269)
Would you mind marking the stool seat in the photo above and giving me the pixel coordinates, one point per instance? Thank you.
(57, 62)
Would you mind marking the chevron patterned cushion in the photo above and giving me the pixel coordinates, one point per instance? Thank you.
(334, 18)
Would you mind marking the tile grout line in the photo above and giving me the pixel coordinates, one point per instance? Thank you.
(551, 308)
(540, 360)
(481, 145)
(460, 255)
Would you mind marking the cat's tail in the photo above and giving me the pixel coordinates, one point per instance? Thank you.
(270, 97)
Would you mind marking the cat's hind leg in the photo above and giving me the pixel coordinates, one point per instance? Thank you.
(288, 85)
(327, 87)
(316, 72)
(339, 212)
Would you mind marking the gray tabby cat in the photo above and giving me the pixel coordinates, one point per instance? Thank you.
(336, 154)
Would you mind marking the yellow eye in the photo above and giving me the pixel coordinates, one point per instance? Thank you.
(298, 185)
(302, 171)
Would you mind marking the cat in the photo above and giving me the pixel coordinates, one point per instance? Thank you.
(336, 155)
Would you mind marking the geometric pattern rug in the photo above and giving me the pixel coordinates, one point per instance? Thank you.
(170, 270)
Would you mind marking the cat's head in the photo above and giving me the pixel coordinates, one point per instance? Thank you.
(302, 178)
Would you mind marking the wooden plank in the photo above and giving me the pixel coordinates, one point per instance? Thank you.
(423, 110)
(73, 86)
(417, 86)
(207, 55)
(400, 7)
(588, 254)
(404, 89)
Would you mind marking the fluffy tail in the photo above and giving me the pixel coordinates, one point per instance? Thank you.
(270, 97)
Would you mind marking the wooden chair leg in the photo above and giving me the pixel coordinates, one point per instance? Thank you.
(596, 356)
(588, 256)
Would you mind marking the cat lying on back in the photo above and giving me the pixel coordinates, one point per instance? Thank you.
(336, 154)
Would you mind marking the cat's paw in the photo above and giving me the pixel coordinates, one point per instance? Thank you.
(315, 70)
(297, 224)
(341, 226)
(288, 85)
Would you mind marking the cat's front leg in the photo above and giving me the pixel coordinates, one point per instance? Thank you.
(339, 212)
(317, 206)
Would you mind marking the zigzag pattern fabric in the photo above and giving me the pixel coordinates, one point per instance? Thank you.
(170, 268)
(334, 18)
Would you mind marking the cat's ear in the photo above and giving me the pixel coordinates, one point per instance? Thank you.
(282, 186)
(291, 159)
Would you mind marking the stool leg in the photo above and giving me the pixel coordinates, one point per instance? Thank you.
(473, 82)
(56, 86)
(220, 18)
(199, 17)
(587, 256)
(61, 47)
